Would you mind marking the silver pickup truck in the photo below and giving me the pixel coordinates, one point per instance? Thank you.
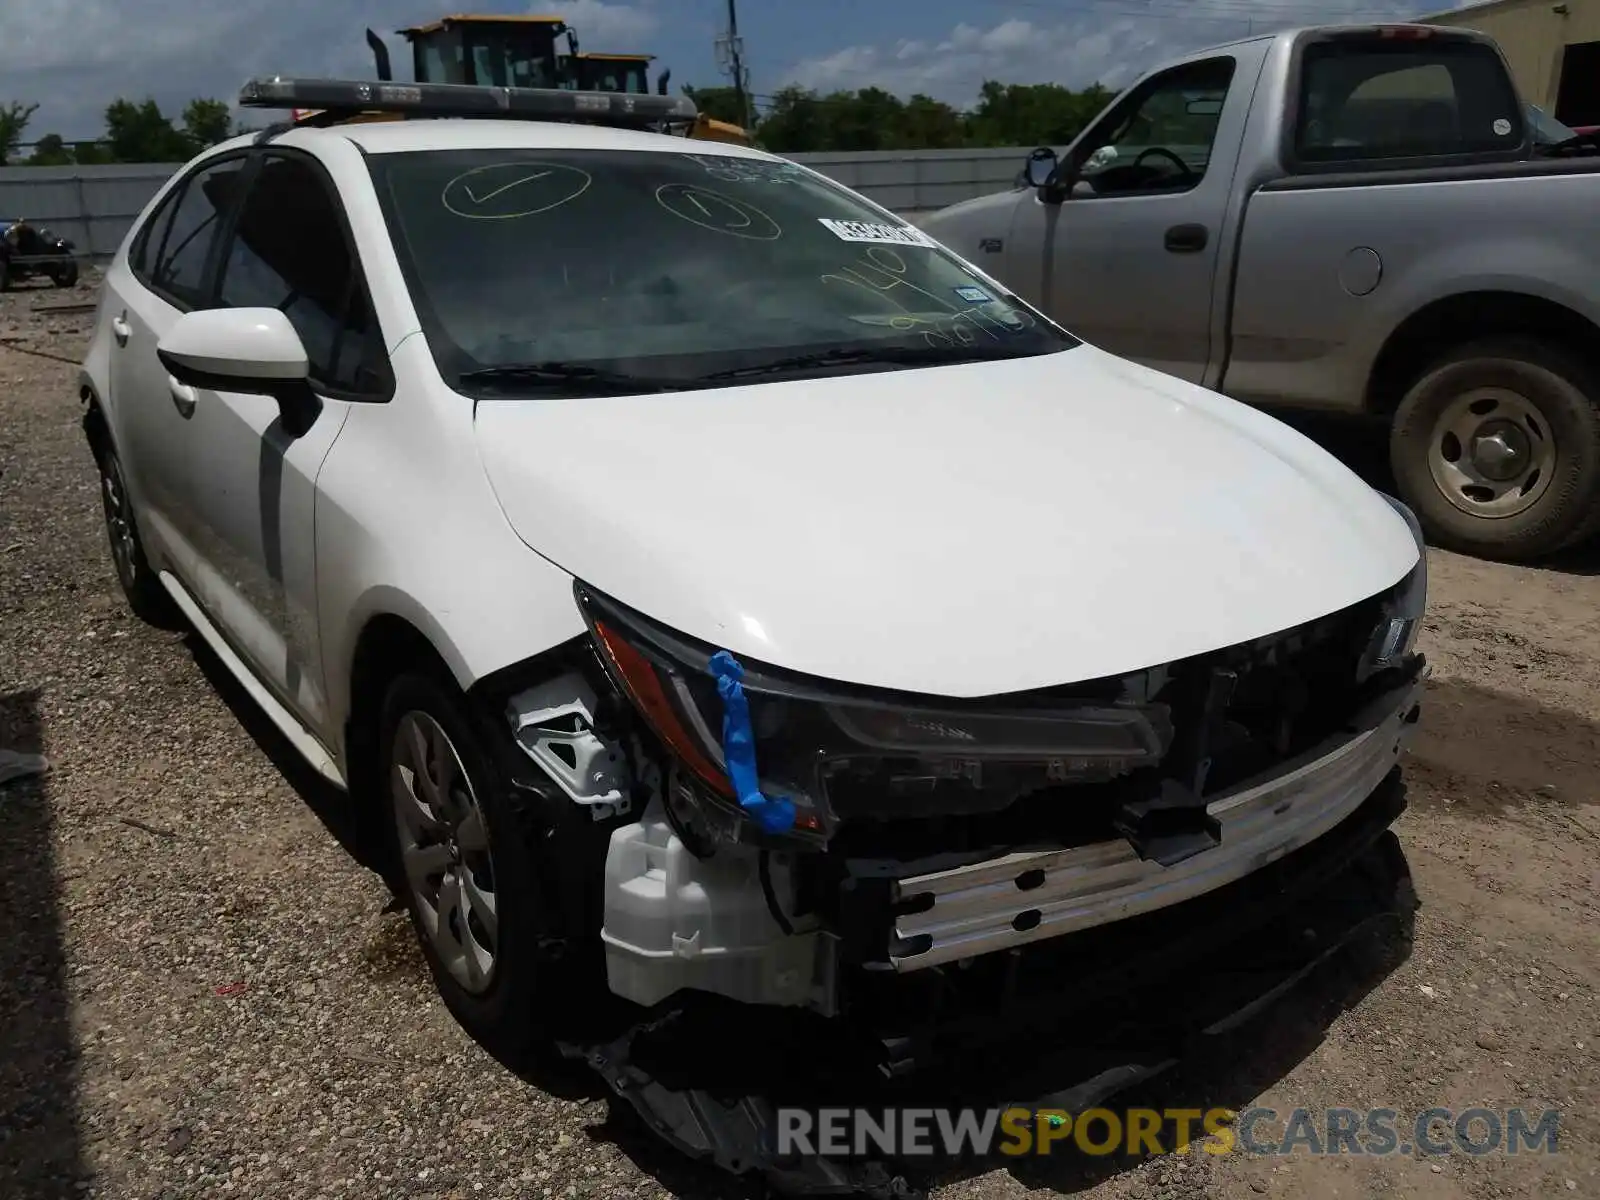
(1359, 220)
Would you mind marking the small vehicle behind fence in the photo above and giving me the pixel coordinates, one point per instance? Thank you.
(30, 251)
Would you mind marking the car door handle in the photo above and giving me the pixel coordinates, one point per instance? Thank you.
(183, 397)
(1186, 239)
(121, 330)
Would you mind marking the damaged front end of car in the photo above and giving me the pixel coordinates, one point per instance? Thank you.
(886, 884)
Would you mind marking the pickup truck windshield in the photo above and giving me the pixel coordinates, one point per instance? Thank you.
(1364, 100)
(576, 270)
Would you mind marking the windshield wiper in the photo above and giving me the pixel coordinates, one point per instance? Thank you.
(579, 375)
(906, 356)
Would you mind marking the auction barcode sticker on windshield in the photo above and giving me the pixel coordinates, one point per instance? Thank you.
(871, 231)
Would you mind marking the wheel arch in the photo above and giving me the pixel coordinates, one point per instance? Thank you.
(399, 638)
(386, 644)
(1464, 317)
(96, 425)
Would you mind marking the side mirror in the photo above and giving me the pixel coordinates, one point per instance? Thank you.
(1040, 167)
(250, 350)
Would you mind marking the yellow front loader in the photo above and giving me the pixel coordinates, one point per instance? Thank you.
(531, 51)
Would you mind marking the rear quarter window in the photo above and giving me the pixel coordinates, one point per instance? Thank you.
(1372, 101)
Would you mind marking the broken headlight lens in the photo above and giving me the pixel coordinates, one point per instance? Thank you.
(837, 751)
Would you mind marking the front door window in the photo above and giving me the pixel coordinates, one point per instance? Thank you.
(1160, 139)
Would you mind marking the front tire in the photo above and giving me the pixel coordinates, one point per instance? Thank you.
(1497, 449)
(463, 863)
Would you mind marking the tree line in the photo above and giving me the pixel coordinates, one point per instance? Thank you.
(136, 131)
(794, 120)
(797, 120)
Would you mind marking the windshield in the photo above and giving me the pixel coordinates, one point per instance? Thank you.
(524, 58)
(1546, 129)
(609, 76)
(675, 267)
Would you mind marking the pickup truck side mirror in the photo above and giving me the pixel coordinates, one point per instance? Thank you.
(1041, 165)
(1048, 175)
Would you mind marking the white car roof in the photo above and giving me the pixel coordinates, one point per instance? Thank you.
(464, 133)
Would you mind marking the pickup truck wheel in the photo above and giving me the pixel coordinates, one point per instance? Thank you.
(462, 863)
(1497, 449)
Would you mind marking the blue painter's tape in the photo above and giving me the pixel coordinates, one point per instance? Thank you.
(775, 814)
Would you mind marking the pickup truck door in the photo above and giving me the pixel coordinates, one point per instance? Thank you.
(1125, 247)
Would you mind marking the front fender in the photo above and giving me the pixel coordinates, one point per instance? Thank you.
(407, 526)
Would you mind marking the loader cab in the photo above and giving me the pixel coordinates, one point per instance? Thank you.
(629, 73)
(500, 51)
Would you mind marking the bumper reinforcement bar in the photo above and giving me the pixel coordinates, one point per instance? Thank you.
(1030, 896)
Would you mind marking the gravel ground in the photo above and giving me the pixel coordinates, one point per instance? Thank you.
(201, 992)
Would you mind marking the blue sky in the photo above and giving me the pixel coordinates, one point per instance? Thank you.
(74, 56)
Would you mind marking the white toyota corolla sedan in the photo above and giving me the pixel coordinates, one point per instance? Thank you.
(701, 581)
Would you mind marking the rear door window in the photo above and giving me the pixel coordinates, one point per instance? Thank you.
(173, 259)
(145, 246)
(1369, 101)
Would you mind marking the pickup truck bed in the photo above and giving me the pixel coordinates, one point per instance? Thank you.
(1312, 314)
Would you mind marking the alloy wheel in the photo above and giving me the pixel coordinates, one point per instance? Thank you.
(444, 848)
(119, 522)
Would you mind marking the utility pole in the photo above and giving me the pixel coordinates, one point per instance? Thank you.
(730, 57)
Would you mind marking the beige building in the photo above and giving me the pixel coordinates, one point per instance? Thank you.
(1553, 47)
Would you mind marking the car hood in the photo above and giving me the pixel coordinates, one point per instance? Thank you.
(961, 530)
(963, 208)
(964, 227)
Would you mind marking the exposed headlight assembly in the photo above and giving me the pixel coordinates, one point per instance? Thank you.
(1396, 634)
(835, 750)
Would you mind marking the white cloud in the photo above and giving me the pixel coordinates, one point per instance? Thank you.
(1085, 46)
(951, 69)
(620, 28)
